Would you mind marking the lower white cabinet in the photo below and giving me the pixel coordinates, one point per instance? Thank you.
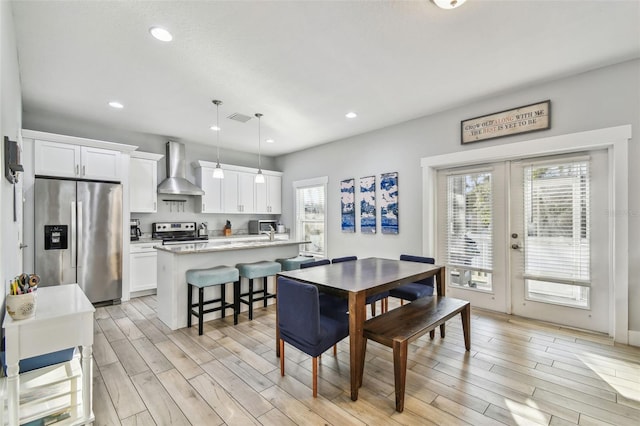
(143, 267)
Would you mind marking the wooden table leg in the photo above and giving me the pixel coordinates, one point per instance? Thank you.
(357, 316)
(466, 326)
(441, 287)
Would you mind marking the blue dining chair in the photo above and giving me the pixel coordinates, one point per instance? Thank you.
(328, 301)
(304, 325)
(371, 300)
(415, 290)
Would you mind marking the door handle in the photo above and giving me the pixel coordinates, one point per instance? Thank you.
(23, 245)
(73, 236)
(515, 246)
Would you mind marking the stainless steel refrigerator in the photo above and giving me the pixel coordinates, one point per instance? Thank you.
(78, 236)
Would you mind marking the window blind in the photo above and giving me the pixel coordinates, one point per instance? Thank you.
(557, 217)
(469, 234)
(310, 214)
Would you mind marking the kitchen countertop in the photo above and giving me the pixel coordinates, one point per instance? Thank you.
(228, 243)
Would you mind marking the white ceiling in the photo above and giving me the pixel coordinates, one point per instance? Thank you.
(303, 64)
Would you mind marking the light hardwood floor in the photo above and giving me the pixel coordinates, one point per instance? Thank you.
(518, 372)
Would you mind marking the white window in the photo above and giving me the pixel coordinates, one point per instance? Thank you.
(469, 230)
(310, 213)
(557, 232)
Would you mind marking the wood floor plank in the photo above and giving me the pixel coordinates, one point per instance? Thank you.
(154, 359)
(275, 417)
(129, 357)
(150, 330)
(103, 409)
(194, 407)
(181, 361)
(103, 353)
(110, 329)
(462, 412)
(242, 369)
(247, 355)
(229, 410)
(193, 350)
(140, 419)
(128, 328)
(513, 419)
(160, 404)
(115, 311)
(291, 406)
(239, 389)
(125, 398)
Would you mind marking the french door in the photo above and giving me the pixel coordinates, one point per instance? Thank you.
(530, 237)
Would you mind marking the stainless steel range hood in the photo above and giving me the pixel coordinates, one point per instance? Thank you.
(176, 182)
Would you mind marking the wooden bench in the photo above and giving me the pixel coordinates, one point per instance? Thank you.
(400, 326)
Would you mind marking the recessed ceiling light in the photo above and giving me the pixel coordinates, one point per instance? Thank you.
(161, 34)
(269, 141)
(116, 104)
(215, 128)
(351, 115)
(448, 4)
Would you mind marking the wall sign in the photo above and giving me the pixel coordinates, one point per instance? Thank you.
(528, 118)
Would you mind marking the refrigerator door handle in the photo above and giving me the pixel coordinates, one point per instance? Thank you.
(72, 237)
(80, 230)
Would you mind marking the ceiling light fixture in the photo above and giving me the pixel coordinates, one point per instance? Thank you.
(218, 173)
(269, 141)
(259, 176)
(116, 105)
(351, 115)
(161, 34)
(448, 4)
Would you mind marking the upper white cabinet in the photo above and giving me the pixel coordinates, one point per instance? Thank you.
(237, 192)
(143, 182)
(75, 161)
(211, 201)
(269, 194)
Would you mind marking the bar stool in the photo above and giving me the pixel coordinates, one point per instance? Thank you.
(201, 278)
(251, 271)
(294, 263)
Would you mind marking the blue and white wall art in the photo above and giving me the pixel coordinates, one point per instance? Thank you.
(347, 205)
(368, 205)
(389, 203)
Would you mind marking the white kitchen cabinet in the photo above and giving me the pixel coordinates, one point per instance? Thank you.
(237, 192)
(143, 182)
(211, 201)
(269, 195)
(143, 267)
(66, 160)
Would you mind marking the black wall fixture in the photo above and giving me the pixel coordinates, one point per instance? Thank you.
(11, 160)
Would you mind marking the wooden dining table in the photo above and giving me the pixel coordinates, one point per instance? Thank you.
(355, 280)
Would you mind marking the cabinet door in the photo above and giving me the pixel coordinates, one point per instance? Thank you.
(230, 200)
(262, 196)
(143, 273)
(143, 183)
(211, 201)
(57, 159)
(274, 194)
(98, 163)
(245, 192)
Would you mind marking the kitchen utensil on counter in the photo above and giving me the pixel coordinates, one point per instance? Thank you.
(202, 230)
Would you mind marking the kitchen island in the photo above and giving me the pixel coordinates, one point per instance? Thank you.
(175, 260)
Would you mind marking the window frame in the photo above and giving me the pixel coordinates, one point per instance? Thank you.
(298, 227)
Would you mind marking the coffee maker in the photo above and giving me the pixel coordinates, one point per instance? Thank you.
(136, 233)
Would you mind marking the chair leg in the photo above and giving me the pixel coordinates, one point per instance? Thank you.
(281, 357)
(265, 281)
(432, 334)
(400, 372)
(373, 309)
(200, 309)
(250, 299)
(401, 302)
(335, 350)
(223, 300)
(189, 302)
(385, 305)
(315, 376)
(466, 326)
(236, 301)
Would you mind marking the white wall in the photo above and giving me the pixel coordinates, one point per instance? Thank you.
(10, 125)
(601, 98)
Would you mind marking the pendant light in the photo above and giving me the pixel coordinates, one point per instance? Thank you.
(218, 173)
(259, 176)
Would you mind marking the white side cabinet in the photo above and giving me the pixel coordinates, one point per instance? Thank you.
(143, 267)
(211, 201)
(143, 182)
(269, 194)
(66, 160)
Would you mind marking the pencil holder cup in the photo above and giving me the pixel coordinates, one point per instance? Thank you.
(21, 306)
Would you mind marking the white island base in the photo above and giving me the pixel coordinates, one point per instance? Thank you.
(174, 261)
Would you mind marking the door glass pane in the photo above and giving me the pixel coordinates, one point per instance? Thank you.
(310, 213)
(469, 235)
(557, 232)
